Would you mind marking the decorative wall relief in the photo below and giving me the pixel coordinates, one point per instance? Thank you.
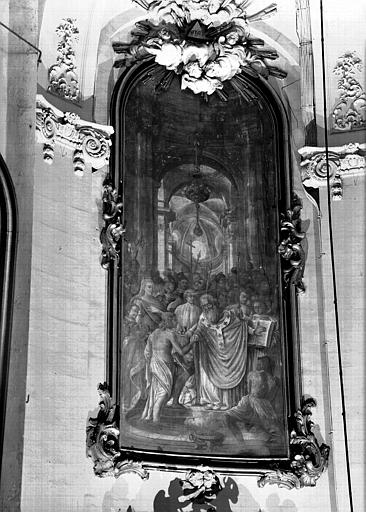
(350, 110)
(290, 248)
(90, 142)
(62, 75)
(308, 459)
(344, 161)
(206, 43)
(102, 444)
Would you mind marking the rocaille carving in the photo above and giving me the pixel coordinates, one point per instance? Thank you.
(113, 229)
(308, 459)
(290, 248)
(102, 440)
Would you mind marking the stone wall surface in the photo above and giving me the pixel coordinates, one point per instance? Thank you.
(18, 78)
(66, 339)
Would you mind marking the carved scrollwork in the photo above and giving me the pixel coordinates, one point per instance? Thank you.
(349, 112)
(89, 142)
(113, 229)
(94, 144)
(290, 248)
(102, 440)
(205, 43)
(201, 486)
(62, 75)
(308, 459)
(344, 161)
(317, 166)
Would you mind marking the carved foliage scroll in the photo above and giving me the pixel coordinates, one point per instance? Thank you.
(308, 459)
(349, 112)
(113, 229)
(290, 248)
(102, 440)
(62, 75)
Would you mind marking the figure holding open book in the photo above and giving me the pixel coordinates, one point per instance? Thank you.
(263, 335)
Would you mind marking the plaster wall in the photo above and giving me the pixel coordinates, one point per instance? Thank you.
(348, 220)
(66, 347)
(18, 65)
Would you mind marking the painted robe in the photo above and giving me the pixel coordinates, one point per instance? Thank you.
(222, 360)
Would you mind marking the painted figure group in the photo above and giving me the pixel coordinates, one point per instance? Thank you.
(184, 347)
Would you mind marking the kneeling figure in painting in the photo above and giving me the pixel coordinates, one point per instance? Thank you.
(255, 409)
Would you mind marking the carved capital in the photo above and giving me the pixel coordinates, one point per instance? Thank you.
(102, 441)
(308, 459)
(290, 248)
(89, 142)
(344, 161)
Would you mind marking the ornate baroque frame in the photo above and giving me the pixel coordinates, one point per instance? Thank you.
(306, 459)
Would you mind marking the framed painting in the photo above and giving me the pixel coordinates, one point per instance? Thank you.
(202, 241)
(202, 348)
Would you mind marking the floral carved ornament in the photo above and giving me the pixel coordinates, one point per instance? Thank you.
(349, 112)
(62, 75)
(205, 42)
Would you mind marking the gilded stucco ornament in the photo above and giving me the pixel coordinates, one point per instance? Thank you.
(62, 75)
(308, 459)
(290, 248)
(102, 441)
(89, 142)
(344, 161)
(349, 112)
(205, 43)
(113, 229)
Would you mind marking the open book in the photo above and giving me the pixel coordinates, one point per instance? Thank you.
(263, 339)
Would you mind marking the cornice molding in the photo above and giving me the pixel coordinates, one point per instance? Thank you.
(344, 161)
(89, 142)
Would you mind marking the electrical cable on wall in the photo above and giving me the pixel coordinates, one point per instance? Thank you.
(330, 226)
(39, 60)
